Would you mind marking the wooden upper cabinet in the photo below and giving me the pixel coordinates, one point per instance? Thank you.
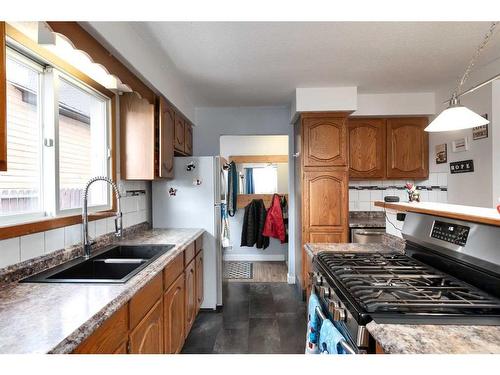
(180, 133)
(199, 279)
(190, 296)
(148, 336)
(3, 100)
(111, 337)
(173, 316)
(407, 148)
(137, 123)
(166, 125)
(325, 201)
(325, 141)
(188, 139)
(367, 148)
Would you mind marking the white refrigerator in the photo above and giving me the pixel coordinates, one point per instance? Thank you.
(193, 200)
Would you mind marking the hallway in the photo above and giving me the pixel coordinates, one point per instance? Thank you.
(256, 318)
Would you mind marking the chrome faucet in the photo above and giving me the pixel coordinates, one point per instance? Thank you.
(87, 243)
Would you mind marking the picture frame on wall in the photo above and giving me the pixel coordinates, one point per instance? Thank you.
(479, 132)
(441, 153)
(460, 145)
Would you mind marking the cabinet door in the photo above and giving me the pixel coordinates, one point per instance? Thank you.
(166, 141)
(137, 122)
(3, 101)
(367, 148)
(173, 316)
(325, 141)
(188, 139)
(407, 148)
(325, 201)
(327, 237)
(199, 280)
(111, 337)
(190, 296)
(180, 135)
(147, 337)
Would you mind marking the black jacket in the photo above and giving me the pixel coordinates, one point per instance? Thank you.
(253, 225)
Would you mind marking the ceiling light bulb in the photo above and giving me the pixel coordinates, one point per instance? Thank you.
(456, 117)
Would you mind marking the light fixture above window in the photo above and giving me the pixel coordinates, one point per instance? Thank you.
(457, 116)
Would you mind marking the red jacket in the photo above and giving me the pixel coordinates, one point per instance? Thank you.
(275, 226)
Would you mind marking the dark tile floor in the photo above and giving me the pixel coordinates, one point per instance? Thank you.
(256, 318)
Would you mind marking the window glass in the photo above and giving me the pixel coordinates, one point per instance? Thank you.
(21, 185)
(82, 145)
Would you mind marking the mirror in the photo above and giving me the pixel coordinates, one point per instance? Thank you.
(262, 178)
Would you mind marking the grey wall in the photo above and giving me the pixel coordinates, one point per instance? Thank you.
(211, 123)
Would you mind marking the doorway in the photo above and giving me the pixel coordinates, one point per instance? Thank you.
(262, 171)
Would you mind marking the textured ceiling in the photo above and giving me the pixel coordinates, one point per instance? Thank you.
(261, 63)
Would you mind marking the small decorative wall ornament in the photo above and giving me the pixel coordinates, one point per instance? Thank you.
(172, 192)
(480, 132)
(191, 166)
(413, 194)
(460, 145)
(441, 153)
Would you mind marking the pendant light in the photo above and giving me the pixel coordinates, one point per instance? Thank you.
(457, 116)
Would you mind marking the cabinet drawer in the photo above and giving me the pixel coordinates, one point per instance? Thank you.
(173, 270)
(199, 244)
(189, 253)
(110, 337)
(144, 300)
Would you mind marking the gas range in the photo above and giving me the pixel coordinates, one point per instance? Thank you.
(442, 278)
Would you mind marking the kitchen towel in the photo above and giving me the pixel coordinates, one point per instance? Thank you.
(329, 338)
(232, 189)
(313, 325)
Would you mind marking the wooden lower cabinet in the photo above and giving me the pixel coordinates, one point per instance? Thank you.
(190, 296)
(173, 316)
(158, 318)
(199, 280)
(147, 337)
(111, 337)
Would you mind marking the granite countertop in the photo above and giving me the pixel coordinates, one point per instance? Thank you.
(436, 339)
(56, 318)
(366, 219)
(313, 249)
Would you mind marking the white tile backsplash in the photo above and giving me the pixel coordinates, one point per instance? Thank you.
(54, 240)
(10, 252)
(135, 211)
(363, 200)
(32, 246)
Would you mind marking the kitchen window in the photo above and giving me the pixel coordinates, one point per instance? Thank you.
(58, 136)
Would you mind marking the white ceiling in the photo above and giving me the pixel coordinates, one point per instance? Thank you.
(261, 63)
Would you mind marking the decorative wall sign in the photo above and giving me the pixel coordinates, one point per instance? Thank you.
(461, 144)
(480, 132)
(441, 153)
(464, 166)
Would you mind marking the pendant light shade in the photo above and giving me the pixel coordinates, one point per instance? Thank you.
(455, 118)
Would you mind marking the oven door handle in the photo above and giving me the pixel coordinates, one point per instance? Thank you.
(346, 347)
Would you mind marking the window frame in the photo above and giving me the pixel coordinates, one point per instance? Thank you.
(22, 44)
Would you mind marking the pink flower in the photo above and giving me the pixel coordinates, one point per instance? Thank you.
(409, 186)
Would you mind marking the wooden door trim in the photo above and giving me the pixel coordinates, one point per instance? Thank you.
(3, 98)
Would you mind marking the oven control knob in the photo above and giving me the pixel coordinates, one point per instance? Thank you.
(325, 292)
(332, 305)
(339, 314)
(318, 280)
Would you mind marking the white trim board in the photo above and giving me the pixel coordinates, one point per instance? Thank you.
(254, 257)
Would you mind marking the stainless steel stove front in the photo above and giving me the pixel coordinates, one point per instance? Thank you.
(339, 314)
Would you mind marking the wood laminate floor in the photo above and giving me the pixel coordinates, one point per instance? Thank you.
(261, 318)
(266, 272)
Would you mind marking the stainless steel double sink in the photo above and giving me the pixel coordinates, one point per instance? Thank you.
(113, 265)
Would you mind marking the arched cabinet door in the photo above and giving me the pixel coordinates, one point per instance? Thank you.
(173, 302)
(166, 139)
(147, 337)
(325, 201)
(325, 141)
(367, 148)
(407, 148)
